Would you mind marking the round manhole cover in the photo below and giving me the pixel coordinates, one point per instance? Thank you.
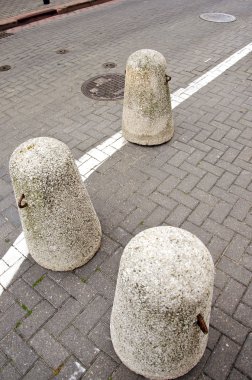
(104, 87)
(217, 17)
(5, 68)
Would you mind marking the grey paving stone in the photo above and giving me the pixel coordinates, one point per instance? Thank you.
(18, 351)
(6, 300)
(235, 270)
(34, 274)
(103, 285)
(72, 369)
(230, 297)
(78, 289)
(49, 349)
(217, 247)
(244, 363)
(11, 213)
(123, 373)
(101, 369)
(225, 352)
(228, 326)
(10, 318)
(220, 211)
(3, 359)
(64, 316)
(91, 315)
(79, 345)
(111, 265)
(100, 335)
(236, 375)
(178, 216)
(39, 371)
(237, 247)
(9, 372)
(199, 215)
(39, 315)
(248, 295)
(51, 291)
(24, 293)
(244, 315)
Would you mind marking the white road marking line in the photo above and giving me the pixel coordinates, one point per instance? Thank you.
(90, 161)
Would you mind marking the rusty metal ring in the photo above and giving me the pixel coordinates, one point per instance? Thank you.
(202, 324)
(168, 78)
(20, 204)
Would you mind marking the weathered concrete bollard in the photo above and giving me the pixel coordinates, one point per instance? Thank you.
(162, 304)
(147, 114)
(60, 225)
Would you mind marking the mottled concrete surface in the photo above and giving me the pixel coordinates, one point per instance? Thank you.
(200, 180)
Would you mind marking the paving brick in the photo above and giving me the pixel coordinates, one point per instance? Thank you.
(64, 316)
(51, 291)
(248, 295)
(226, 180)
(10, 318)
(103, 285)
(225, 352)
(34, 274)
(199, 215)
(19, 352)
(178, 216)
(234, 270)
(221, 279)
(185, 199)
(39, 372)
(79, 345)
(239, 227)
(236, 375)
(9, 372)
(134, 219)
(244, 315)
(78, 289)
(11, 214)
(24, 293)
(123, 373)
(198, 231)
(237, 247)
(196, 372)
(220, 211)
(241, 209)
(100, 335)
(90, 316)
(157, 217)
(72, 370)
(228, 326)
(101, 369)
(6, 300)
(230, 297)
(213, 337)
(40, 314)
(244, 363)
(218, 230)
(49, 349)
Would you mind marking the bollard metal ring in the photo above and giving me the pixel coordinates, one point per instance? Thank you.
(202, 324)
(20, 204)
(168, 78)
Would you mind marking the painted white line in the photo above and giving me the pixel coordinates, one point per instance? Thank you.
(90, 161)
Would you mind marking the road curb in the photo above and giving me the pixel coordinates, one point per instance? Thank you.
(29, 17)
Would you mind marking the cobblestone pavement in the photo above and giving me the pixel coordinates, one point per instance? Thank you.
(54, 325)
(16, 7)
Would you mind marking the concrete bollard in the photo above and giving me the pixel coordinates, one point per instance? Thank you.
(162, 304)
(60, 225)
(147, 114)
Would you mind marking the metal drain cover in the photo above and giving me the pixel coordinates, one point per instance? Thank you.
(104, 87)
(217, 17)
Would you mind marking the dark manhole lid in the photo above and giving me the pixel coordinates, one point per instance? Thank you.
(5, 68)
(5, 34)
(104, 87)
(217, 17)
(109, 65)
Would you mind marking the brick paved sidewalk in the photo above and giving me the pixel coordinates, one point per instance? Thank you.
(53, 324)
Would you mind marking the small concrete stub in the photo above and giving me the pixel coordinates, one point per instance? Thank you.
(164, 286)
(60, 224)
(147, 115)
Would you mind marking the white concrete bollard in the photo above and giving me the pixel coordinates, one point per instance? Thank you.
(147, 114)
(60, 225)
(162, 304)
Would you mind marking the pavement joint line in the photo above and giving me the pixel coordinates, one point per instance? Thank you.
(94, 158)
